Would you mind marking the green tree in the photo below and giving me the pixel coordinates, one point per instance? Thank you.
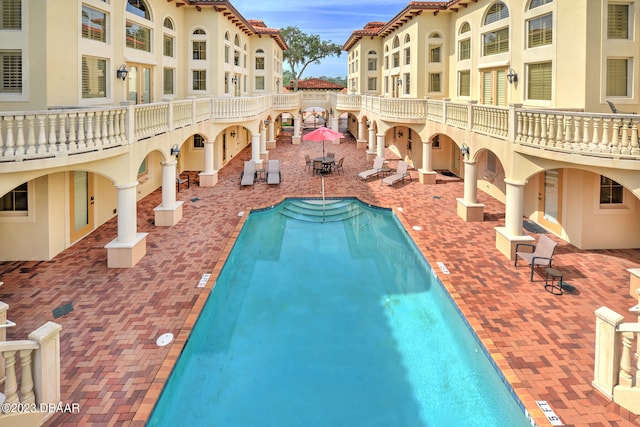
(305, 49)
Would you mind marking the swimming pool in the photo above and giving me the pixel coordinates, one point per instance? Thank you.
(330, 317)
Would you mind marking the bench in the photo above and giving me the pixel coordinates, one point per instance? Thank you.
(180, 180)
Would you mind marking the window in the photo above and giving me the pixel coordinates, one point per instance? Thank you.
(496, 13)
(434, 54)
(10, 71)
(15, 200)
(540, 31)
(611, 193)
(138, 8)
(199, 32)
(407, 56)
(259, 63)
(236, 58)
(537, 3)
(435, 142)
(464, 49)
(434, 82)
(94, 24)
(167, 46)
(618, 21)
(407, 39)
(168, 24)
(539, 81)
(236, 40)
(198, 141)
(199, 50)
(199, 80)
(396, 42)
(465, 28)
(226, 54)
(617, 77)
(372, 83)
(168, 81)
(396, 59)
(94, 82)
(372, 64)
(496, 42)
(259, 82)
(407, 83)
(138, 37)
(10, 14)
(464, 83)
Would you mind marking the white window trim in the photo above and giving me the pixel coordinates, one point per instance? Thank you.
(627, 207)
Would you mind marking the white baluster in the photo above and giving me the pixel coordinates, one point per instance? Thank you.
(552, 131)
(624, 140)
(82, 142)
(111, 127)
(20, 151)
(31, 135)
(536, 129)
(62, 135)
(90, 142)
(97, 129)
(567, 132)
(26, 384)
(595, 141)
(544, 129)
(42, 134)
(9, 149)
(10, 383)
(604, 142)
(575, 143)
(625, 378)
(633, 149)
(73, 143)
(585, 134)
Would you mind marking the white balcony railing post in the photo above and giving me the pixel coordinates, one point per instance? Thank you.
(46, 362)
(512, 124)
(607, 351)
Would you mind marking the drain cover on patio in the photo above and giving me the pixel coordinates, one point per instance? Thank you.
(532, 227)
(62, 310)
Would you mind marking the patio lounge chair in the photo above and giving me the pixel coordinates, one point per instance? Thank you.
(541, 254)
(401, 173)
(248, 176)
(615, 110)
(273, 172)
(375, 170)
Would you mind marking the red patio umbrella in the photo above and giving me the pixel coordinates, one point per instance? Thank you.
(322, 134)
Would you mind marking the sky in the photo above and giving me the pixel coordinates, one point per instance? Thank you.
(332, 20)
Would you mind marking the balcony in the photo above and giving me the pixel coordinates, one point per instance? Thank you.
(57, 133)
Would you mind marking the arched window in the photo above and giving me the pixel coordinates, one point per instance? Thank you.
(236, 40)
(435, 35)
(537, 3)
(464, 28)
(496, 13)
(168, 24)
(226, 35)
(372, 60)
(199, 32)
(396, 42)
(139, 8)
(259, 59)
(199, 44)
(407, 38)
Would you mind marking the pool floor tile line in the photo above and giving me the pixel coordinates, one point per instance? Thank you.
(113, 368)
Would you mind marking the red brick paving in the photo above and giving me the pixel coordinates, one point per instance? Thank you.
(545, 343)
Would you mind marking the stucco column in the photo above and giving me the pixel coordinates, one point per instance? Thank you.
(510, 235)
(380, 146)
(130, 246)
(169, 212)
(169, 183)
(255, 147)
(514, 207)
(297, 122)
(208, 177)
(271, 136)
(263, 143)
(127, 211)
(468, 207)
(360, 139)
(372, 140)
(426, 174)
(334, 124)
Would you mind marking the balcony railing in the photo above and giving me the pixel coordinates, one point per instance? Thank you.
(64, 132)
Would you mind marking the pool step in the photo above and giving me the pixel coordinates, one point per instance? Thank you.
(314, 210)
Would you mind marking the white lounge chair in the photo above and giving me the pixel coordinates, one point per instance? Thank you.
(248, 176)
(401, 173)
(378, 163)
(273, 172)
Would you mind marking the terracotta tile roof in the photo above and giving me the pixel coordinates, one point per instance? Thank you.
(316, 84)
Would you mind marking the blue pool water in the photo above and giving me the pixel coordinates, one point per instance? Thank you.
(331, 319)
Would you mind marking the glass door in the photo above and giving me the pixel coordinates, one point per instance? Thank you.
(550, 200)
(139, 83)
(494, 87)
(82, 202)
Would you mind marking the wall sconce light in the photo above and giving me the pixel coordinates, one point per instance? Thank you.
(512, 76)
(234, 80)
(266, 122)
(368, 123)
(399, 82)
(233, 134)
(331, 111)
(278, 82)
(400, 134)
(175, 150)
(465, 150)
(121, 72)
